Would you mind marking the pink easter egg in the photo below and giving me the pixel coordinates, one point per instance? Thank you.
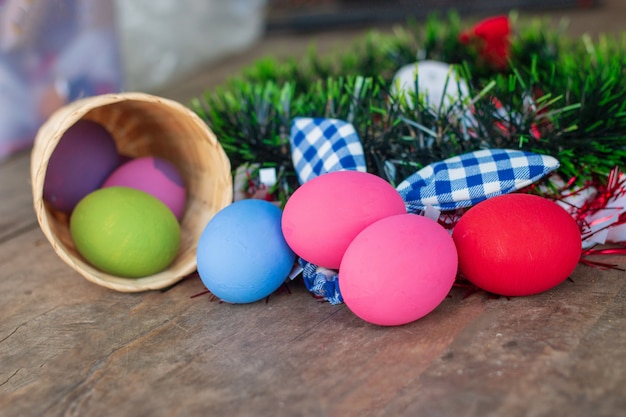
(325, 214)
(154, 176)
(398, 270)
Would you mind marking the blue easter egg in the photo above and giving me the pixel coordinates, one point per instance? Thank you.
(242, 254)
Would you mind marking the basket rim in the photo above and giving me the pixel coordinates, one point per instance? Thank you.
(45, 142)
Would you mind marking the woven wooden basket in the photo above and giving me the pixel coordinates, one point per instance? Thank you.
(141, 125)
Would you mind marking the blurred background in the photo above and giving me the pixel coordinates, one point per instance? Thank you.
(55, 51)
(289, 27)
(314, 15)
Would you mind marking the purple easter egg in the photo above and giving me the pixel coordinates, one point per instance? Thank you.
(84, 157)
(154, 176)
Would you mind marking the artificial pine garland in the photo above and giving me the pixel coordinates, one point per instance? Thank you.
(562, 97)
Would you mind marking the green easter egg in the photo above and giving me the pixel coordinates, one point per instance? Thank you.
(125, 232)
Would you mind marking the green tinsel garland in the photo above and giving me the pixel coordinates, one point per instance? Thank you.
(579, 87)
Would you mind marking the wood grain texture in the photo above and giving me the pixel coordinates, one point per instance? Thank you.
(16, 213)
(71, 348)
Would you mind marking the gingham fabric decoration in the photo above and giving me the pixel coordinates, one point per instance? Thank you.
(322, 282)
(468, 179)
(320, 145)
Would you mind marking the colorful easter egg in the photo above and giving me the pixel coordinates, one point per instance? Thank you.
(155, 176)
(398, 270)
(125, 232)
(242, 255)
(517, 244)
(325, 214)
(84, 157)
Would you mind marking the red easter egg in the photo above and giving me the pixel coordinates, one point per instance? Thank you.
(517, 244)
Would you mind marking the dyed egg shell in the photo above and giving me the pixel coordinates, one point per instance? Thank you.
(125, 232)
(84, 157)
(436, 80)
(154, 176)
(398, 270)
(517, 244)
(325, 214)
(242, 255)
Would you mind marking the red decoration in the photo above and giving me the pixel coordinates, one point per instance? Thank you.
(605, 210)
(599, 209)
(602, 219)
(492, 39)
(517, 244)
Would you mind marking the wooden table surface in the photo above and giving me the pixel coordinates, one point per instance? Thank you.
(71, 348)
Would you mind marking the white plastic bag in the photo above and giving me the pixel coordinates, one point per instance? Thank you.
(52, 52)
(164, 40)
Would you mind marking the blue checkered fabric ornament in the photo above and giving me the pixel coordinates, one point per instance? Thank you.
(468, 179)
(322, 282)
(320, 145)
